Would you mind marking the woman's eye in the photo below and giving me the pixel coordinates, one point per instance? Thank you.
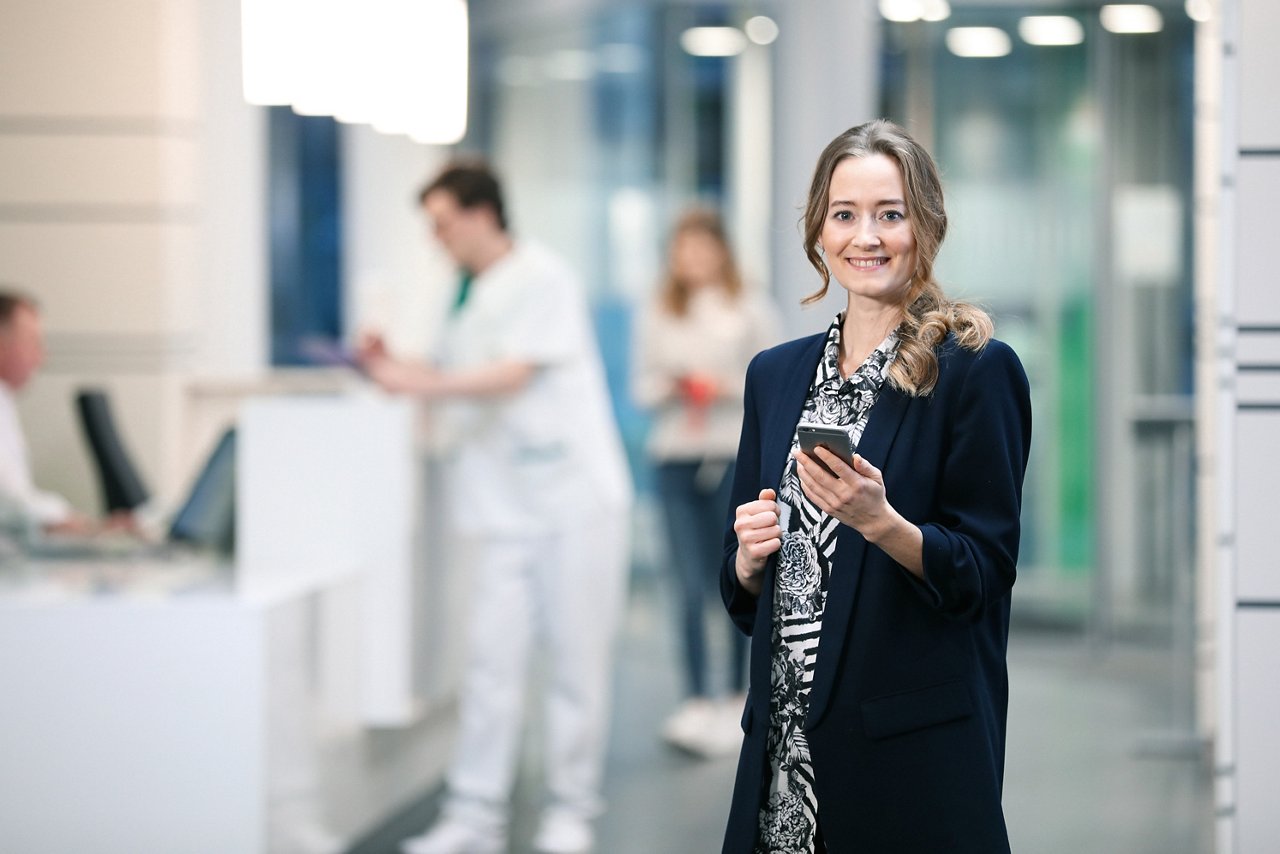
(894, 216)
(843, 216)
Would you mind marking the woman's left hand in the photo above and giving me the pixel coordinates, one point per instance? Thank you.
(853, 494)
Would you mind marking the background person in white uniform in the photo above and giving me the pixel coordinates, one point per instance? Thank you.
(538, 483)
(23, 507)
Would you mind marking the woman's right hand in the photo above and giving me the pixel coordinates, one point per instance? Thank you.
(759, 535)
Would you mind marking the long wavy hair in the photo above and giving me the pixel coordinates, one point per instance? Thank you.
(674, 292)
(927, 313)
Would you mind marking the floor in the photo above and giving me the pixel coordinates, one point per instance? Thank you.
(1092, 765)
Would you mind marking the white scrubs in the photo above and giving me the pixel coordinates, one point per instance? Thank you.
(538, 485)
(21, 504)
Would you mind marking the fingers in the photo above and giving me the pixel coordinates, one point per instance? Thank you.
(756, 526)
(864, 468)
(754, 523)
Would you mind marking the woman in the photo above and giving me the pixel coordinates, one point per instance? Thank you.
(877, 593)
(693, 345)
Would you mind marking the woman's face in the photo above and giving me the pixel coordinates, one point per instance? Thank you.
(866, 233)
(697, 258)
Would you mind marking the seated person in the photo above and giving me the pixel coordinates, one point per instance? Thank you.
(25, 509)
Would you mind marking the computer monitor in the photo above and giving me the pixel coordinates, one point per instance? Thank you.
(121, 486)
(207, 519)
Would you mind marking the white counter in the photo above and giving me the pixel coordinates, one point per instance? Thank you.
(184, 706)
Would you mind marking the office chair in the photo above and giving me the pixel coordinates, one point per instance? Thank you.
(121, 487)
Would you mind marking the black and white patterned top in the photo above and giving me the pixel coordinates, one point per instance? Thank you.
(788, 820)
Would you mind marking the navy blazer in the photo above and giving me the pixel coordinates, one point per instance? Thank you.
(906, 721)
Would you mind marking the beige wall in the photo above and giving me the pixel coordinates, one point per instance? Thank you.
(130, 207)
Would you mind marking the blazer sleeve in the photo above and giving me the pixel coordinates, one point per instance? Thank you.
(971, 545)
(740, 603)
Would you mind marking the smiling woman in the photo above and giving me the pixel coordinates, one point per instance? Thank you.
(875, 220)
(866, 237)
(877, 591)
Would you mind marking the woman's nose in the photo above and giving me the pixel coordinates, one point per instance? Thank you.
(867, 232)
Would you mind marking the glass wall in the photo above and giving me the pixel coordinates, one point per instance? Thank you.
(1067, 168)
(1068, 172)
(603, 128)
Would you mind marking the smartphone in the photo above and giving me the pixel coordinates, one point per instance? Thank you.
(834, 439)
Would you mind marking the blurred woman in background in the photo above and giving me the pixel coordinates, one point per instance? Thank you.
(694, 343)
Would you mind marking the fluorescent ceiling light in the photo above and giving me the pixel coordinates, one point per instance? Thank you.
(1199, 11)
(428, 92)
(761, 29)
(398, 65)
(902, 11)
(936, 10)
(978, 42)
(266, 28)
(905, 11)
(1130, 19)
(1050, 30)
(713, 41)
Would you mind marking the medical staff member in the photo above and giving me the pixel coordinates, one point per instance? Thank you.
(24, 507)
(537, 483)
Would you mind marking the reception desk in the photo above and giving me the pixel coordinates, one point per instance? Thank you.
(175, 703)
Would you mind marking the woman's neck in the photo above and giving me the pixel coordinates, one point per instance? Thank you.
(862, 331)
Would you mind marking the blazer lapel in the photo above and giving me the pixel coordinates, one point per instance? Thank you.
(793, 388)
(851, 552)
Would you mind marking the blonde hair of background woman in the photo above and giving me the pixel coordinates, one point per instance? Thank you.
(674, 291)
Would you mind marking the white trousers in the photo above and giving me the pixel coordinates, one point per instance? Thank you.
(558, 596)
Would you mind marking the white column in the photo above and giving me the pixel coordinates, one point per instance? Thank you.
(826, 81)
(1248, 398)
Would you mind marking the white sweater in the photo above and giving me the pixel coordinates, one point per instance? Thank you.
(716, 337)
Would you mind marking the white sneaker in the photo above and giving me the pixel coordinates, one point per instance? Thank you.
(723, 733)
(685, 726)
(450, 836)
(705, 729)
(316, 840)
(563, 833)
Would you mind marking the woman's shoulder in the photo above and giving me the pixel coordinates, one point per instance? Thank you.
(788, 352)
(994, 358)
(953, 349)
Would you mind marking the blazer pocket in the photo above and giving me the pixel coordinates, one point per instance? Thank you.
(896, 714)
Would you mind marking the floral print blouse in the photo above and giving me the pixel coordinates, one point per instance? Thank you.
(788, 821)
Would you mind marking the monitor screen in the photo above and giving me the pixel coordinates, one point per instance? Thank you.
(207, 518)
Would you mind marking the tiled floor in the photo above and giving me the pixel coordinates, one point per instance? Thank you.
(1079, 777)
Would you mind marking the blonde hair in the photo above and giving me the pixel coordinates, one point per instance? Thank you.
(927, 313)
(674, 291)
